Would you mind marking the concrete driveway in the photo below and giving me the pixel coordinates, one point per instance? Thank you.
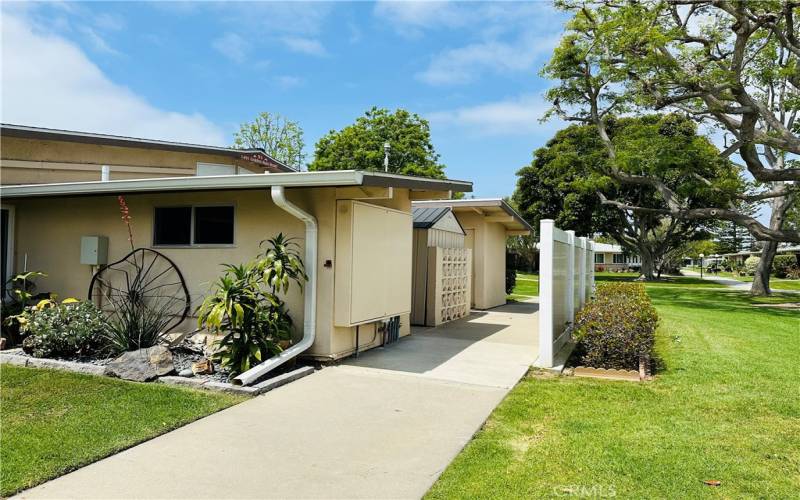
(384, 425)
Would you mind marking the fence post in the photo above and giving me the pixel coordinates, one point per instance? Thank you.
(583, 243)
(570, 276)
(546, 303)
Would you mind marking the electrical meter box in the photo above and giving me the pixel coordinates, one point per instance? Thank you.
(94, 250)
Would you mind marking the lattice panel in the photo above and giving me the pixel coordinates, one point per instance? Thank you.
(451, 282)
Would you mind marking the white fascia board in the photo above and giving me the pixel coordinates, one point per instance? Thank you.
(194, 183)
(331, 178)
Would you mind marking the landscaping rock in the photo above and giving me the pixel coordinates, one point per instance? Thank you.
(186, 372)
(203, 366)
(142, 365)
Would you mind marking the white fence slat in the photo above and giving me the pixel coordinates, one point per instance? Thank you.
(566, 282)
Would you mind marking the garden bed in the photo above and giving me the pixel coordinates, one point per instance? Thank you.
(182, 359)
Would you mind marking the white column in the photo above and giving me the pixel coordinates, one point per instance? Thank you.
(570, 298)
(591, 267)
(546, 245)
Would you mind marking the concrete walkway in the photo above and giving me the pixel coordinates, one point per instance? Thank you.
(382, 426)
(743, 286)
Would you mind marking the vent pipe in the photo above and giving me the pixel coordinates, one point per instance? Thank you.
(309, 296)
(105, 173)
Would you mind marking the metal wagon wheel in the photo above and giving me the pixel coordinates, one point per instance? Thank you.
(144, 290)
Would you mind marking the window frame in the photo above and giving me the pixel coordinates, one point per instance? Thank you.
(602, 258)
(192, 244)
(620, 257)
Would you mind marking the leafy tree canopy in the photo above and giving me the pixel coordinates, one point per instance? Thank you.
(280, 138)
(360, 145)
(571, 175)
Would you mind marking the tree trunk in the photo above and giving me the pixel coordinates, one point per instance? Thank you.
(779, 207)
(761, 277)
(648, 264)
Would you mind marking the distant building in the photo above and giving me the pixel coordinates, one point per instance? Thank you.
(608, 257)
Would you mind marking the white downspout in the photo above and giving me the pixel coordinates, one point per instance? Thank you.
(310, 294)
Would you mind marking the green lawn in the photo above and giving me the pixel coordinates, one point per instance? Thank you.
(54, 421)
(527, 287)
(724, 407)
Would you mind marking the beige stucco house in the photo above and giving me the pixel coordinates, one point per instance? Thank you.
(486, 224)
(34, 155)
(608, 257)
(354, 227)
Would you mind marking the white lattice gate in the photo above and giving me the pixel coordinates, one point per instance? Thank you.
(449, 284)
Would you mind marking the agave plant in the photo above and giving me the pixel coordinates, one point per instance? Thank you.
(245, 307)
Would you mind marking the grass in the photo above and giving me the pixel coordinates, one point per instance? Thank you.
(527, 287)
(724, 407)
(55, 421)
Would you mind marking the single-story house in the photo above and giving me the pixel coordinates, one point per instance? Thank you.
(608, 257)
(738, 258)
(35, 155)
(354, 228)
(486, 223)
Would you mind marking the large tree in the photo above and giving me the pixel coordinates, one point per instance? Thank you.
(280, 138)
(730, 64)
(565, 177)
(361, 145)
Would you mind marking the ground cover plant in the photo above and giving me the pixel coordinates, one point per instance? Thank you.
(55, 421)
(724, 407)
(616, 328)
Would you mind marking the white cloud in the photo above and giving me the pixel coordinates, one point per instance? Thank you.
(302, 45)
(464, 64)
(48, 81)
(96, 41)
(232, 46)
(411, 17)
(518, 115)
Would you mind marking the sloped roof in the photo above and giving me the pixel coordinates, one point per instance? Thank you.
(255, 155)
(426, 217)
(489, 207)
(330, 178)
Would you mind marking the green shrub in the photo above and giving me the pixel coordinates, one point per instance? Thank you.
(245, 307)
(782, 265)
(617, 328)
(67, 329)
(750, 264)
(511, 280)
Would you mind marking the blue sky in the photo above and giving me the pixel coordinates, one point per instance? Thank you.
(194, 71)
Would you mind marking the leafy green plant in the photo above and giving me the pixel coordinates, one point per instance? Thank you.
(245, 307)
(782, 265)
(70, 328)
(750, 264)
(22, 289)
(617, 328)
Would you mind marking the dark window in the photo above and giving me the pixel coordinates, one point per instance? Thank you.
(213, 225)
(598, 258)
(619, 258)
(173, 226)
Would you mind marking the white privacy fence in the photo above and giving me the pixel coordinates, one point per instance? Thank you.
(566, 281)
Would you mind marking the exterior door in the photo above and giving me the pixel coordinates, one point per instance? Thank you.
(469, 242)
(7, 250)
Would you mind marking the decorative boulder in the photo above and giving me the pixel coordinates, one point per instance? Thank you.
(142, 365)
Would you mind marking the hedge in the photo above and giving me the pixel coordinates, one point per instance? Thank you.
(617, 328)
